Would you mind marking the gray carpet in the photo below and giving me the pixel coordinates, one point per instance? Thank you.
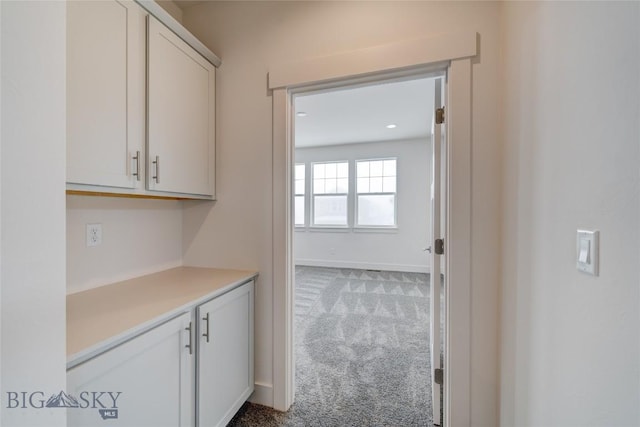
(362, 352)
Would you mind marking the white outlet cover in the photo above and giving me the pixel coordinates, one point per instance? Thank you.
(587, 251)
(94, 234)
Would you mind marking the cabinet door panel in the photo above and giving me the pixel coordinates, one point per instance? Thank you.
(181, 115)
(105, 92)
(225, 362)
(154, 373)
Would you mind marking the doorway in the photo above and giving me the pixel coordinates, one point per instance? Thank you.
(451, 53)
(362, 184)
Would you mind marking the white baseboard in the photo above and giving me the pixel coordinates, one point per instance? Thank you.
(262, 395)
(363, 265)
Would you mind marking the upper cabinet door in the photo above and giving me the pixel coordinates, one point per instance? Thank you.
(105, 93)
(180, 115)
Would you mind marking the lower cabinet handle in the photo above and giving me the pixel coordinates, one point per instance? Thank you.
(190, 345)
(206, 334)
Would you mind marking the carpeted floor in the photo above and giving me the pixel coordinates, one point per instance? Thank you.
(362, 353)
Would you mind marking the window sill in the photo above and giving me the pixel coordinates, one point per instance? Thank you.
(336, 229)
(346, 229)
(383, 230)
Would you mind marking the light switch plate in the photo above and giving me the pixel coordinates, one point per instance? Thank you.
(587, 251)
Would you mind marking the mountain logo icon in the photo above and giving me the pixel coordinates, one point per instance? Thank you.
(62, 400)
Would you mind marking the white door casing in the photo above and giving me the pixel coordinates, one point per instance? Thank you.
(451, 53)
(434, 277)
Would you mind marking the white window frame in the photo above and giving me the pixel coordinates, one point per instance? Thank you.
(304, 196)
(356, 200)
(312, 195)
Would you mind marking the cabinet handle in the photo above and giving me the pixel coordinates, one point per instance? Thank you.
(137, 159)
(157, 163)
(189, 346)
(206, 334)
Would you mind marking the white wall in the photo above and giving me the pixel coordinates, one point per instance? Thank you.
(570, 342)
(33, 206)
(395, 250)
(172, 8)
(139, 236)
(237, 230)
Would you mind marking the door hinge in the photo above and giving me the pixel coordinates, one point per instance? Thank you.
(438, 376)
(440, 116)
(439, 247)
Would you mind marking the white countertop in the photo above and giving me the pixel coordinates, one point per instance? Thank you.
(103, 317)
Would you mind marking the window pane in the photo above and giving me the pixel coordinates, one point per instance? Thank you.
(375, 185)
(299, 210)
(318, 186)
(343, 185)
(343, 170)
(376, 168)
(376, 210)
(330, 170)
(318, 171)
(330, 185)
(389, 168)
(300, 186)
(363, 185)
(330, 210)
(299, 171)
(389, 184)
(363, 169)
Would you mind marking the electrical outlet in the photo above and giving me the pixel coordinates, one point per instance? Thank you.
(94, 234)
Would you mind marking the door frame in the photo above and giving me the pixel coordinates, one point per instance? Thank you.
(451, 53)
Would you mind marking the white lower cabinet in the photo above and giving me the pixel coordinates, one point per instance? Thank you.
(225, 356)
(153, 374)
(195, 369)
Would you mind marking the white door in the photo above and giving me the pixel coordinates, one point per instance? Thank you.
(225, 356)
(148, 381)
(105, 93)
(181, 115)
(437, 257)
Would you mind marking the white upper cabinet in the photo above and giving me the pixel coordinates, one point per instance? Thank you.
(140, 102)
(180, 115)
(105, 93)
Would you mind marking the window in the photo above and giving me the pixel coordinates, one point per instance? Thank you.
(330, 191)
(299, 181)
(376, 193)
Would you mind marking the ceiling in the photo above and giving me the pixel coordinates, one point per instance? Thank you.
(361, 114)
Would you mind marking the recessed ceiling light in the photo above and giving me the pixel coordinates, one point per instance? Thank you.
(301, 114)
(391, 126)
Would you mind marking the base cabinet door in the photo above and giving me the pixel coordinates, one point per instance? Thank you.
(147, 381)
(225, 356)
